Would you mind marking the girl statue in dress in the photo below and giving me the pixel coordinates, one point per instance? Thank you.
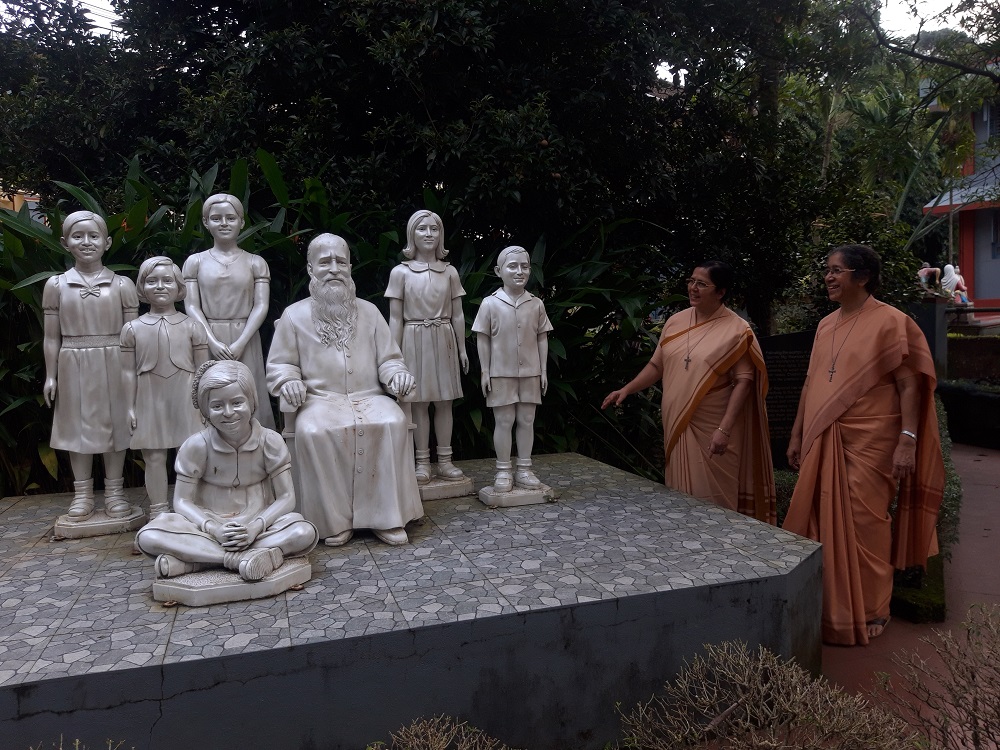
(234, 501)
(228, 293)
(85, 309)
(161, 351)
(427, 322)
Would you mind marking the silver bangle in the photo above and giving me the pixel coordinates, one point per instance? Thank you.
(909, 434)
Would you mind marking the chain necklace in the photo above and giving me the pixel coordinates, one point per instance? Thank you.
(833, 339)
(236, 257)
(694, 320)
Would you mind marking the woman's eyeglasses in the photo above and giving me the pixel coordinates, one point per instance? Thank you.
(835, 271)
(698, 283)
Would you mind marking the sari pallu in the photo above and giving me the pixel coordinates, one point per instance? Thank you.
(851, 428)
(694, 401)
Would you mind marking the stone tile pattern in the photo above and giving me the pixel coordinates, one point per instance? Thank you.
(75, 607)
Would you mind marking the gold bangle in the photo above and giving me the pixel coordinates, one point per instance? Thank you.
(724, 432)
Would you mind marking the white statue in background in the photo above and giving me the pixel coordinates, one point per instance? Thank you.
(512, 339)
(228, 293)
(332, 359)
(160, 352)
(85, 309)
(234, 500)
(427, 323)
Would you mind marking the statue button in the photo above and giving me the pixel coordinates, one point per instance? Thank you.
(361, 451)
(361, 433)
(359, 470)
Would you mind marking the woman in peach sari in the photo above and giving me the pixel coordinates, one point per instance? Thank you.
(714, 382)
(866, 425)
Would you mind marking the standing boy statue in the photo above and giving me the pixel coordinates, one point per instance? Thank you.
(512, 338)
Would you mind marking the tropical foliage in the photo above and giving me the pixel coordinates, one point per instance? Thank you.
(773, 136)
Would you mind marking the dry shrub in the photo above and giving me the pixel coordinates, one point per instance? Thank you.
(735, 698)
(441, 733)
(955, 704)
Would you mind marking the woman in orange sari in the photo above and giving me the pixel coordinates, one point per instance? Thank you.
(714, 383)
(866, 425)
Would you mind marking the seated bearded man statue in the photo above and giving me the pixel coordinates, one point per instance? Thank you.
(332, 359)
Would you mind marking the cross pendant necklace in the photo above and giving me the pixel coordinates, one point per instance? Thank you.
(834, 354)
(687, 337)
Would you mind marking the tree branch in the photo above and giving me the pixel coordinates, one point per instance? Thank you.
(891, 45)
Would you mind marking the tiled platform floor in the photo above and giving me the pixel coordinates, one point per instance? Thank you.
(77, 607)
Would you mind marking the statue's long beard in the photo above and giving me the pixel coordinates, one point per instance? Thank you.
(334, 311)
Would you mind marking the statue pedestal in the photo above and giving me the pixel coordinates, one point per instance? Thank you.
(218, 586)
(98, 524)
(517, 496)
(439, 489)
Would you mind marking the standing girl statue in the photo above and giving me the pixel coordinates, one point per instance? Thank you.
(228, 293)
(85, 309)
(427, 322)
(161, 351)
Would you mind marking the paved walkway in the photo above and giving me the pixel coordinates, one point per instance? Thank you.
(972, 577)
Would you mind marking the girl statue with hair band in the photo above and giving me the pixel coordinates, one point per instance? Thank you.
(160, 352)
(85, 309)
(228, 293)
(234, 501)
(427, 322)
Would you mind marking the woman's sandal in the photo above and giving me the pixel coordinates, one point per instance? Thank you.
(877, 626)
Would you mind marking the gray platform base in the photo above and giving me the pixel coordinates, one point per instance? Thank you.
(532, 623)
(220, 586)
(442, 489)
(516, 497)
(98, 524)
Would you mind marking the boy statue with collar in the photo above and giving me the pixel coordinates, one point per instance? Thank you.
(512, 338)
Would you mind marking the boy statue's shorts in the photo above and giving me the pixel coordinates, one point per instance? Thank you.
(504, 391)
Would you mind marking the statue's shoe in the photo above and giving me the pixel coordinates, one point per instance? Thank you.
(526, 479)
(81, 509)
(448, 470)
(503, 481)
(393, 537)
(168, 566)
(339, 540)
(115, 504)
(256, 564)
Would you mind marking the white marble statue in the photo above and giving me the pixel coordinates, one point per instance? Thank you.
(512, 339)
(85, 309)
(234, 499)
(427, 322)
(160, 352)
(332, 359)
(228, 293)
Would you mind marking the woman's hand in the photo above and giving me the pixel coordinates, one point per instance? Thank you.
(463, 359)
(615, 397)
(794, 449)
(904, 458)
(718, 444)
(484, 382)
